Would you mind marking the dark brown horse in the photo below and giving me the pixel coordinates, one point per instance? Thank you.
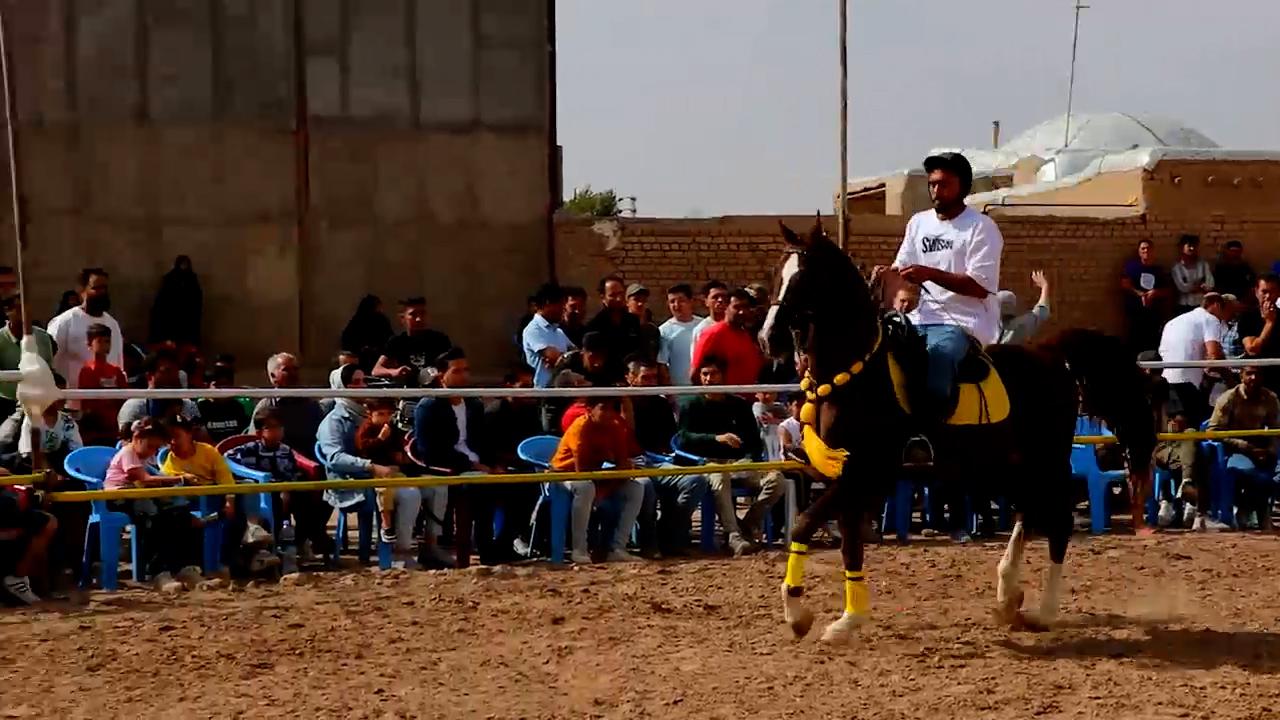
(857, 423)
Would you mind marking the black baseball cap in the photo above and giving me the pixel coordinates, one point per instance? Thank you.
(954, 163)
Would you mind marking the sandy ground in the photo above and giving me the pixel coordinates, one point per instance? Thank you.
(1176, 626)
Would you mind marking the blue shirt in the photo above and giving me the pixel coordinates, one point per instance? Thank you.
(539, 335)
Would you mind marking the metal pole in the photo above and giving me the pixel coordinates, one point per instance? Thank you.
(1071, 82)
(844, 126)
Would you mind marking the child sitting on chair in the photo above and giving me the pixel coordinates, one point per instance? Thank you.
(246, 541)
(60, 436)
(170, 535)
(381, 442)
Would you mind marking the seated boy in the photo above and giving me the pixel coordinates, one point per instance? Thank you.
(598, 437)
(246, 541)
(308, 509)
(59, 437)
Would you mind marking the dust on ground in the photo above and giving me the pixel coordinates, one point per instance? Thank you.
(1175, 626)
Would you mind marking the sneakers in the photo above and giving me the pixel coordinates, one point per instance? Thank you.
(1204, 523)
(1188, 515)
(1164, 518)
(165, 583)
(961, 537)
(740, 545)
(20, 588)
(262, 560)
(388, 536)
(580, 557)
(622, 556)
(255, 534)
(190, 576)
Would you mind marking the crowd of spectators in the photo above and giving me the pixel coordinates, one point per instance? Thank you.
(1194, 311)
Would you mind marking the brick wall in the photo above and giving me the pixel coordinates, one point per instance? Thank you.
(1081, 255)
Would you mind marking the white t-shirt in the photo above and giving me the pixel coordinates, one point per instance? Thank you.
(968, 244)
(1184, 338)
(62, 436)
(70, 331)
(676, 348)
(460, 412)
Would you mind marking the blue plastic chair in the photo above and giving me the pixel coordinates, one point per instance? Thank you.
(89, 466)
(207, 506)
(364, 525)
(537, 451)
(1084, 463)
(707, 512)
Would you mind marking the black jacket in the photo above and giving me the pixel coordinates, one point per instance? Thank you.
(435, 434)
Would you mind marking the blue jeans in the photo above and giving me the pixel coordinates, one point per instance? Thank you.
(947, 345)
(677, 497)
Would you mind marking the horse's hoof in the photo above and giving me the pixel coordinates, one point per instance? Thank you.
(801, 622)
(841, 631)
(1007, 613)
(1028, 622)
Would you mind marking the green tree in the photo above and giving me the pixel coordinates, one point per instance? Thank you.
(590, 203)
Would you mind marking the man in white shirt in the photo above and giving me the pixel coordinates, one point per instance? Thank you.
(716, 296)
(70, 329)
(1194, 335)
(953, 253)
(676, 347)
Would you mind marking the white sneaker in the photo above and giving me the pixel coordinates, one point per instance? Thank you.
(262, 560)
(20, 588)
(256, 534)
(622, 556)
(1188, 515)
(165, 583)
(1164, 518)
(1204, 523)
(580, 557)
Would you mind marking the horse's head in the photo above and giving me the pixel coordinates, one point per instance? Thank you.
(819, 298)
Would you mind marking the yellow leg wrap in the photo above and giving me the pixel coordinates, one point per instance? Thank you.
(796, 555)
(857, 600)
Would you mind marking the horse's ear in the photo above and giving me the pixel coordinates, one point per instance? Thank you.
(791, 237)
(817, 233)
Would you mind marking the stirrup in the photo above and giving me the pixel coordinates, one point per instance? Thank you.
(918, 453)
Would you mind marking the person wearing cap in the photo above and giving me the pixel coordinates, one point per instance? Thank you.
(1194, 335)
(1016, 329)
(638, 305)
(618, 329)
(953, 253)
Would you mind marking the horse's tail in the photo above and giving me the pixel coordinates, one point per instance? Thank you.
(1113, 388)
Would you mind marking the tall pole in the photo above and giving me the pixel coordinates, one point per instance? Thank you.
(844, 125)
(1071, 82)
(19, 220)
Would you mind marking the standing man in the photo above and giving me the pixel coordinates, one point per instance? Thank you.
(575, 314)
(715, 295)
(1191, 275)
(676, 348)
(1016, 329)
(70, 329)
(543, 341)
(733, 342)
(1257, 328)
(953, 253)
(411, 352)
(1146, 290)
(11, 350)
(1233, 275)
(638, 305)
(1194, 335)
(619, 330)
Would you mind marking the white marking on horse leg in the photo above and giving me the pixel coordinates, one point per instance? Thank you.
(1008, 577)
(841, 631)
(1051, 599)
(799, 618)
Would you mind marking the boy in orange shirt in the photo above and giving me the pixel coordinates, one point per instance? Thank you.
(594, 439)
(98, 417)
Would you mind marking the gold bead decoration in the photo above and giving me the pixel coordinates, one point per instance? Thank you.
(841, 379)
(857, 368)
(809, 414)
(824, 390)
(806, 383)
(811, 396)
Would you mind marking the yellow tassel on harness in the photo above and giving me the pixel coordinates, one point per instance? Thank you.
(857, 599)
(826, 460)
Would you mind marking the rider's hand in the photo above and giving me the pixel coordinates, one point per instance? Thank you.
(918, 274)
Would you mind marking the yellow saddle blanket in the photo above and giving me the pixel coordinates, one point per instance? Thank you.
(981, 403)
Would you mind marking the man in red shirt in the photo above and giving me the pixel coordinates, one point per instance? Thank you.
(733, 342)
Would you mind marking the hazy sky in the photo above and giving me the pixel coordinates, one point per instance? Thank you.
(710, 107)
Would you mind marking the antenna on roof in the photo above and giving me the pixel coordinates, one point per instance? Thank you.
(1071, 83)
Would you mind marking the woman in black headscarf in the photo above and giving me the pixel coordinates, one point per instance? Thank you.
(179, 306)
(367, 332)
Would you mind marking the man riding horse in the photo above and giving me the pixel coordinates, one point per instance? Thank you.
(1003, 420)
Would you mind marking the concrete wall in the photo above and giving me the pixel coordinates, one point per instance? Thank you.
(152, 128)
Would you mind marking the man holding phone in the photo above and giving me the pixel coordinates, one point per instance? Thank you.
(1257, 328)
